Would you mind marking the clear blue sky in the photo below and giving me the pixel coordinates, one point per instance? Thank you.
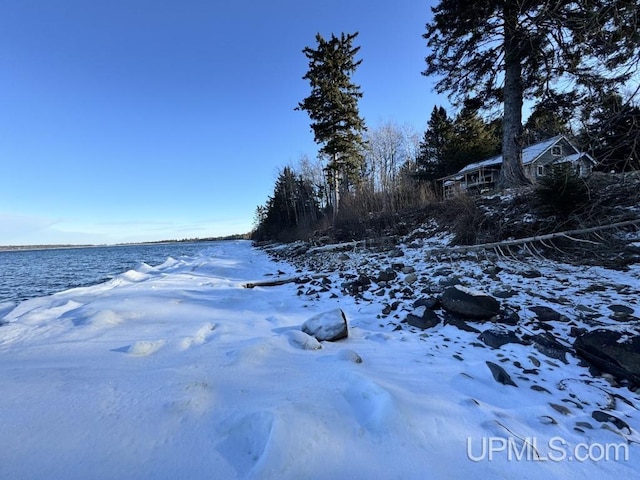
(134, 120)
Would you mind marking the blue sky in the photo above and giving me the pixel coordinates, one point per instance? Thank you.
(136, 120)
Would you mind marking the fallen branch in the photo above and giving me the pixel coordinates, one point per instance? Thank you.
(283, 281)
(539, 238)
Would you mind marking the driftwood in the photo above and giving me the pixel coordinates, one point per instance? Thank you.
(568, 234)
(283, 281)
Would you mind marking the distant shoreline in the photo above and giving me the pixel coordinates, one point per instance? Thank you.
(14, 248)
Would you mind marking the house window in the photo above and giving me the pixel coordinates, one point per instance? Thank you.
(556, 150)
(540, 171)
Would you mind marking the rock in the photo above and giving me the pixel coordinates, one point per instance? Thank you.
(327, 326)
(496, 337)
(538, 388)
(617, 353)
(604, 417)
(492, 270)
(423, 318)
(397, 266)
(429, 302)
(547, 314)
(504, 293)
(387, 275)
(343, 257)
(449, 281)
(361, 284)
(577, 331)
(407, 270)
(460, 324)
(395, 253)
(622, 313)
(531, 274)
(546, 344)
(560, 409)
(469, 304)
(508, 317)
(499, 374)
(411, 278)
(621, 309)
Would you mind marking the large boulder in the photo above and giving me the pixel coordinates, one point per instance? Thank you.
(327, 326)
(617, 353)
(469, 304)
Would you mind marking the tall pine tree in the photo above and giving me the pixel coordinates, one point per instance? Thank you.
(503, 51)
(332, 107)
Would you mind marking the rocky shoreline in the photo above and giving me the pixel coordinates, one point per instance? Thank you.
(575, 328)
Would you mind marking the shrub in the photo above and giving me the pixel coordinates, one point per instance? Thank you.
(562, 192)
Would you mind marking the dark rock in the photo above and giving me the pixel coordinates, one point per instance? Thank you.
(621, 309)
(560, 409)
(499, 374)
(397, 266)
(449, 281)
(411, 278)
(460, 324)
(508, 317)
(387, 275)
(443, 271)
(492, 270)
(463, 302)
(504, 293)
(423, 318)
(531, 274)
(359, 285)
(327, 326)
(496, 337)
(429, 302)
(546, 344)
(534, 360)
(538, 388)
(608, 351)
(605, 417)
(547, 314)
(577, 331)
(408, 270)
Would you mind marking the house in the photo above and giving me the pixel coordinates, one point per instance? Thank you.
(481, 177)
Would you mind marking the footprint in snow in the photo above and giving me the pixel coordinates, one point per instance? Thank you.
(200, 337)
(141, 348)
(372, 405)
(246, 438)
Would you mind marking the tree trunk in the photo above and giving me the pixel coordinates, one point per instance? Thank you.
(336, 192)
(512, 172)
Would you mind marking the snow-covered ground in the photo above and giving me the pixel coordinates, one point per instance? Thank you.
(178, 371)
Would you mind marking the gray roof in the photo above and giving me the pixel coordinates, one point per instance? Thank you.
(529, 154)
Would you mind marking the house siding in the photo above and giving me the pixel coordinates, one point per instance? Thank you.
(482, 176)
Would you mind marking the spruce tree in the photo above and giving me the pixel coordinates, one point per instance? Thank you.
(332, 107)
(502, 52)
(435, 147)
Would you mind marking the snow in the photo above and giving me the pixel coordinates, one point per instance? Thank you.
(178, 371)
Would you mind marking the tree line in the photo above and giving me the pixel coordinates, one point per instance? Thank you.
(576, 61)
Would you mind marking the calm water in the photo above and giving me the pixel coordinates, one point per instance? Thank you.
(34, 273)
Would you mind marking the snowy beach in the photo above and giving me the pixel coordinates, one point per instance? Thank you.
(179, 371)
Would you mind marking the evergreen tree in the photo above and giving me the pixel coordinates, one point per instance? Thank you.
(472, 140)
(435, 147)
(332, 107)
(612, 134)
(449, 145)
(550, 117)
(501, 51)
(290, 210)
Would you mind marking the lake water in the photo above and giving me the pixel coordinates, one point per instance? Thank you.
(27, 274)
